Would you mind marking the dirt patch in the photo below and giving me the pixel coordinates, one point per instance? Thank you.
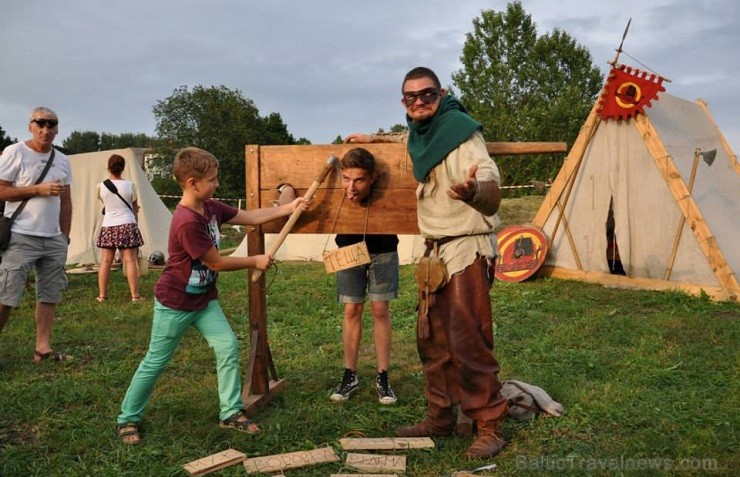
(17, 435)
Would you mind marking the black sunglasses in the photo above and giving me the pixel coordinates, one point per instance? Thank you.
(52, 123)
(427, 96)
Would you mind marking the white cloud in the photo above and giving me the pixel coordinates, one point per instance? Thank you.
(328, 68)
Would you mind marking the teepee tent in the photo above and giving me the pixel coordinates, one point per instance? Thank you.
(652, 185)
(88, 170)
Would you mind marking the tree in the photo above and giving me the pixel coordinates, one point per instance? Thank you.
(396, 128)
(5, 140)
(124, 140)
(220, 121)
(79, 142)
(525, 88)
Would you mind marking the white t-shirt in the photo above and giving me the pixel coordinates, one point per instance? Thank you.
(116, 212)
(22, 166)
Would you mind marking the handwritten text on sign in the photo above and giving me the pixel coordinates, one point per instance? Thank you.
(291, 460)
(346, 257)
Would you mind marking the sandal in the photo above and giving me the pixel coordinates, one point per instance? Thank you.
(137, 298)
(128, 433)
(240, 422)
(51, 356)
(101, 299)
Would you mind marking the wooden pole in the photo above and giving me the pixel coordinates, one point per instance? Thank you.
(297, 213)
(677, 239)
(518, 148)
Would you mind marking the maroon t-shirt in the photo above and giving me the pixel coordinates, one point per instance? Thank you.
(186, 283)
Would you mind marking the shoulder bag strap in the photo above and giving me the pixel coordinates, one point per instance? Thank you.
(112, 187)
(38, 181)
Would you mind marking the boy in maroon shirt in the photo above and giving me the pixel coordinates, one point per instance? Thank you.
(186, 294)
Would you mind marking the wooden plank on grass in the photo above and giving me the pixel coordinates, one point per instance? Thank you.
(291, 460)
(376, 462)
(214, 462)
(363, 475)
(386, 443)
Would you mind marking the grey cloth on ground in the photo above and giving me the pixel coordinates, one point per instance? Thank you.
(526, 400)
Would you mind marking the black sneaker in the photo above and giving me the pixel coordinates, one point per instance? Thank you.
(348, 386)
(385, 393)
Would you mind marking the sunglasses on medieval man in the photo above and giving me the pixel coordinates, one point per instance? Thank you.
(426, 95)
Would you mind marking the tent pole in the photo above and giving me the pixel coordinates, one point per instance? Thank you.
(569, 185)
(681, 222)
(569, 168)
(707, 242)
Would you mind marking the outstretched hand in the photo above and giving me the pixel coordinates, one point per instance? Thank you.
(358, 138)
(465, 191)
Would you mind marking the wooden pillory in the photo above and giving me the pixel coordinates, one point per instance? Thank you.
(392, 211)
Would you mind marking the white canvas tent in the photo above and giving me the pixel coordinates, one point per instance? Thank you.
(90, 169)
(669, 235)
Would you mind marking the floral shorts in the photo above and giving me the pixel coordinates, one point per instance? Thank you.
(120, 236)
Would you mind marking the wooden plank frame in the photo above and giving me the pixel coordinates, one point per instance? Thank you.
(392, 211)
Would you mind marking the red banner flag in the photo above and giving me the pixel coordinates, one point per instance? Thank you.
(627, 92)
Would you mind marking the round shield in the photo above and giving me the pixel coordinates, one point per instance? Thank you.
(522, 249)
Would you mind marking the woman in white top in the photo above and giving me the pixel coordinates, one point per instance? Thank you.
(119, 230)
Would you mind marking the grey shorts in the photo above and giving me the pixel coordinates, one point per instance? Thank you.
(379, 279)
(48, 255)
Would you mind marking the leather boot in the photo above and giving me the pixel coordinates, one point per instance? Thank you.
(438, 423)
(488, 443)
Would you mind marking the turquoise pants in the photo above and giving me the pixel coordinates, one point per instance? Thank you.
(168, 326)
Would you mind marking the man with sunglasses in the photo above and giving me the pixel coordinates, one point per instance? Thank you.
(457, 199)
(40, 233)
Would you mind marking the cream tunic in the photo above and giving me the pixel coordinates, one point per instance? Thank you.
(439, 216)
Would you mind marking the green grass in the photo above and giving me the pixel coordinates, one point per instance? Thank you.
(642, 375)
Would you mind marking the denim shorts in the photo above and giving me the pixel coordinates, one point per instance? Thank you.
(378, 279)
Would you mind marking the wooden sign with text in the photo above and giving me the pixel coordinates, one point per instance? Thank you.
(363, 475)
(346, 257)
(214, 462)
(291, 460)
(376, 462)
(386, 443)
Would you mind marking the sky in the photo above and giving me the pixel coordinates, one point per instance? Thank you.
(328, 67)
